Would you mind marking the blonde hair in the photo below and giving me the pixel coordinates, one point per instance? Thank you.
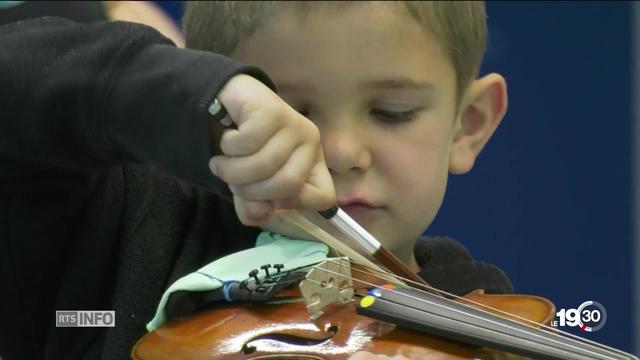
(459, 27)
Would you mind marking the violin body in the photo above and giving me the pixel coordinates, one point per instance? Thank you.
(319, 320)
(282, 329)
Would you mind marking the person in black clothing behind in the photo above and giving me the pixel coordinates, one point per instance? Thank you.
(107, 196)
(142, 12)
(80, 11)
(100, 137)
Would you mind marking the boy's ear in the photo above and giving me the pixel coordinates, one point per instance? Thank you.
(481, 111)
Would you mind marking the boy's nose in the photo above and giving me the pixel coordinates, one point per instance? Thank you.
(345, 149)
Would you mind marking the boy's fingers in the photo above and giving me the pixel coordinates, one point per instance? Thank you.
(257, 167)
(314, 199)
(264, 163)
(244, 95)
(252, 213)
(289, 203)
(286, 183)
(250, 137)
(318, 193)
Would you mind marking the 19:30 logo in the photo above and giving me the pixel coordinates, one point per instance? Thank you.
(589, 316)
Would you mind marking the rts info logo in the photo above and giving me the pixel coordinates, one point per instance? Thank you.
(589, 316)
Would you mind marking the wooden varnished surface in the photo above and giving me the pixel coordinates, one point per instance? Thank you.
(284, 331)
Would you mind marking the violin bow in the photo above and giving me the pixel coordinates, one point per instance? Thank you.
(362, 237)
(357, 234)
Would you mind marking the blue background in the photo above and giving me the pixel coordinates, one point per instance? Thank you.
(549, 200)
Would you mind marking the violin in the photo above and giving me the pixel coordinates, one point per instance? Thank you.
(347, 309)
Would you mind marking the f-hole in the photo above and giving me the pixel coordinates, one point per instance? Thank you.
(248, 349)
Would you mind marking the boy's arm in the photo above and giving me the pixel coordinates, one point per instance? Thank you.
(83, 96)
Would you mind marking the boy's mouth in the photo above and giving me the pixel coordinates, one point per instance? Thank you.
(358, 208)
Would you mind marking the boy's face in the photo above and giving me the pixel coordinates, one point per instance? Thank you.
(383, 96)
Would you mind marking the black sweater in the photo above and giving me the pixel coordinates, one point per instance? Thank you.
(105, 194)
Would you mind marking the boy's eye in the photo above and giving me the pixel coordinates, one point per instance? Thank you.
(389, 116)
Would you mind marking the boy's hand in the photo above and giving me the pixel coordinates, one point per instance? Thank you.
(274, 158)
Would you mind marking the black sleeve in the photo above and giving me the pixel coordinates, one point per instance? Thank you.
(447, 265)
(77, 97)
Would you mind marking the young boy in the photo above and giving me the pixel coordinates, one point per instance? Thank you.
(390, 85)
(106, 198)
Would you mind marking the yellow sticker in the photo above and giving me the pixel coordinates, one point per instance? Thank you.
(367, 301)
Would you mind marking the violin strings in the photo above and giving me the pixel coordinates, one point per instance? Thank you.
(527, 321)
(535, 328)
(304, 224)
(508, 327)
(460, 298)
(530, 323)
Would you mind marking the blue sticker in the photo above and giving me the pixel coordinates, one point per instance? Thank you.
(375, 292)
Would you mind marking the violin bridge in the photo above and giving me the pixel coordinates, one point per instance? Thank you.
(327, 282)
